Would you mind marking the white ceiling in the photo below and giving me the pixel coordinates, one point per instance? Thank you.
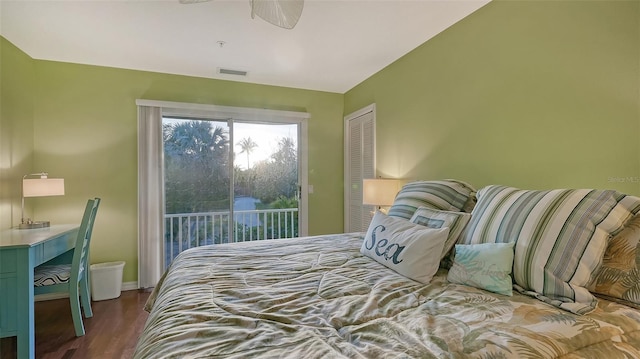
(334, 46)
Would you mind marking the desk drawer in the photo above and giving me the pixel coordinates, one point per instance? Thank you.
(53, 248)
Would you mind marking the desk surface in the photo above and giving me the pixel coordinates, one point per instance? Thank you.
(30, 237)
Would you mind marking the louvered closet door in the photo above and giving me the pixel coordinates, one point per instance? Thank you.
(359, 164)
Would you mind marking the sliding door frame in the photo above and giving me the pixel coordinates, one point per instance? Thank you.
(248, 115)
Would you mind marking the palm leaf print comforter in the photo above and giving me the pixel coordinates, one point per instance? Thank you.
(318, 297)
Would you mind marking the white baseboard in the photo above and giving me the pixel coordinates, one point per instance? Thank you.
(51, 296)
(129, 285)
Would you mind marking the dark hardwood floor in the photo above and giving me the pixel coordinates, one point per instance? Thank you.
(112, 332)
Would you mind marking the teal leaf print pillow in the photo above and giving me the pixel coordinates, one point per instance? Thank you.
(486, 266)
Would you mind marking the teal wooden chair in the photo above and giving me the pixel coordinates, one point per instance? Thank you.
(72, 278)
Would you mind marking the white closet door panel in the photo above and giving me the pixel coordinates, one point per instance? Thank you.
(368, 149)
(360, 164)
(355, 178)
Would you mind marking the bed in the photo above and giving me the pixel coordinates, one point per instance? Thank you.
(323, 297)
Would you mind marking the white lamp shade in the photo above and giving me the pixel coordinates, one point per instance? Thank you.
(379, 191)
(40, 187)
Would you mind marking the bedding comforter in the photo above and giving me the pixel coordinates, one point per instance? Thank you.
(318, 297)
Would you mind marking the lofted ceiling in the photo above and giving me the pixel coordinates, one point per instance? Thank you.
(335, 45)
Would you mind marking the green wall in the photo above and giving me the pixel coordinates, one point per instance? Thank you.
(17, 87)
(529, 94)
(85, 130)
(532, 94)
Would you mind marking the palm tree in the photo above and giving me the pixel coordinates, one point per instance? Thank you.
(196, 155)
(247, 145)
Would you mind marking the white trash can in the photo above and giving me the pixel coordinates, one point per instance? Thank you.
(106, 280)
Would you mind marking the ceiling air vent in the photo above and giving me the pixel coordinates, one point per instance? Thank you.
(232, 72)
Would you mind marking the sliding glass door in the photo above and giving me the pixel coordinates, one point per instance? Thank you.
(266, 181)
(229, 181)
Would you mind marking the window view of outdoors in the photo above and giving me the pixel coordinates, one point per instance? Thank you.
(198, 187)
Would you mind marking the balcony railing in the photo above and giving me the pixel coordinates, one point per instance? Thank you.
(188, 230)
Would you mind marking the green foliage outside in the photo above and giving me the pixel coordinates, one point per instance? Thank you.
(196, 156)
(278, 176)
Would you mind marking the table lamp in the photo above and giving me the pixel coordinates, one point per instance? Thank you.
(379, 192)
(39, 187)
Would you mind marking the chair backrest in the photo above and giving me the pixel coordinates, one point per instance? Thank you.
(81, 251)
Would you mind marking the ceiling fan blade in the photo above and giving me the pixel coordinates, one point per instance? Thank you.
(282, 13)
(192, 1)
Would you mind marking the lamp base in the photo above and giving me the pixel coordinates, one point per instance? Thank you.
(34, 225)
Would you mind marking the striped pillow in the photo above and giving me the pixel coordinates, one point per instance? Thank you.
(446, 195)
(561, 236)
(433, 218)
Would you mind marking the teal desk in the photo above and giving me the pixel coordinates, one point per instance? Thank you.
(20, 251)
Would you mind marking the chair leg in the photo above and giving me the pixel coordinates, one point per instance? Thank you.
(75, 310)
(85, 297)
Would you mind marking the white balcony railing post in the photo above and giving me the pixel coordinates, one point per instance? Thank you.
(187, 230)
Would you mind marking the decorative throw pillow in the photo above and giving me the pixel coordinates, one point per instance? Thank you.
(433, 218)
(409, 249)
(561, 236)
(619, 277)
(486, 266)
(446, 195)
(471, 202)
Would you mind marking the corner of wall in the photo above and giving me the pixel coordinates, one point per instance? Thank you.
(17, 86)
